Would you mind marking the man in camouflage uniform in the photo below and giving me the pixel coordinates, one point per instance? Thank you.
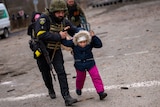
(51, 28)
(75, 13)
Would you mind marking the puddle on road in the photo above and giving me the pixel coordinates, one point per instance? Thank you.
(124, 88)
(12, 73)
(1, 64)
(6, 73)
(18, 74)
(138, 96)
(10, 90)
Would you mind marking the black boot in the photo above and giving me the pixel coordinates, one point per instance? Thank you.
(69, 100)
(52, 94)
(79, 92)
(102, 95)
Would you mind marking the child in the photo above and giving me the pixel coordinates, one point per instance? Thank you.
(82, 45)
(31, 27)
(31, 32)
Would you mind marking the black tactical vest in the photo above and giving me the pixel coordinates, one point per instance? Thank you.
(55, 28)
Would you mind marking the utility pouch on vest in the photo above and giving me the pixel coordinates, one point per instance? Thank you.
(34, 46)
(31, 45)
(37, 53)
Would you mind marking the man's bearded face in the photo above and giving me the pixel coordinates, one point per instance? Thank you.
(60, 15)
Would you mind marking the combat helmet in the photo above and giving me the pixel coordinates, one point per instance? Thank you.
(58, 5)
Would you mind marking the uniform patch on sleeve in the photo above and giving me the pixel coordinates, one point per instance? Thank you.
(42, 21)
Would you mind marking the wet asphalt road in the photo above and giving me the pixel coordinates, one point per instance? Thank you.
(128, 63)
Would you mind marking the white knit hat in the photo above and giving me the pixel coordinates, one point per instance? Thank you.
(82, 36)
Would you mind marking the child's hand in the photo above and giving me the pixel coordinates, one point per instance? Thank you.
(92, 33)
(66, 28)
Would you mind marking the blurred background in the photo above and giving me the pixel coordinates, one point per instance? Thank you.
(20, 11)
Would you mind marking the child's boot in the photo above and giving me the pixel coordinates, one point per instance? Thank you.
(79, 92)
(102, 95)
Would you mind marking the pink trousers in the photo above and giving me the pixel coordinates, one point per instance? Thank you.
(96, 79)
